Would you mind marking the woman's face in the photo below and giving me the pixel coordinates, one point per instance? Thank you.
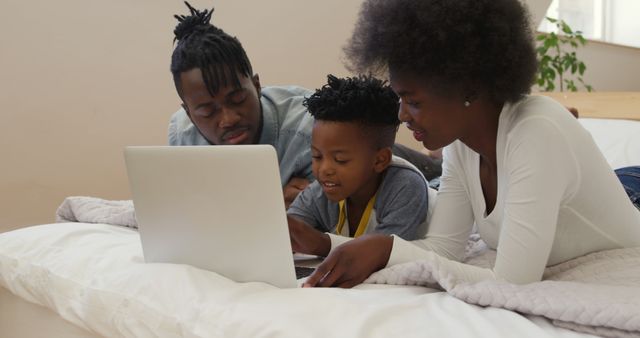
(435, 120)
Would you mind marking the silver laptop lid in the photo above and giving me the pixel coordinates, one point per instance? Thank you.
(218, 208)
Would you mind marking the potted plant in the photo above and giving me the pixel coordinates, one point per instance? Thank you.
(557, 60)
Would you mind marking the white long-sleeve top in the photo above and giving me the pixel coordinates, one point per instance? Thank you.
(557, 199)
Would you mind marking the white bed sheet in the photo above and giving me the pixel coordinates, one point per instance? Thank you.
(93, 276)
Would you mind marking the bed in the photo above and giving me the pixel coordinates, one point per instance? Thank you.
(89, 280)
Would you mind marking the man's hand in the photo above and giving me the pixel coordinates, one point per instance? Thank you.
(293, 188)
(573, 111)
(307, 240)
(352, 262)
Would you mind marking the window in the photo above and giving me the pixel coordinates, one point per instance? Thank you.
(614, 21)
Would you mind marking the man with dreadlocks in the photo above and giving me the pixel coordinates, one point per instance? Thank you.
(360, 188)
(223, 103)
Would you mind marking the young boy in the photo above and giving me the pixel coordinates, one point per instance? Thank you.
(360, 188)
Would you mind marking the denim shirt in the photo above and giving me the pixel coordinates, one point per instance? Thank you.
(286, 126)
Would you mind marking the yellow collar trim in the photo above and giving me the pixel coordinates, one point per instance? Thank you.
(364, 220)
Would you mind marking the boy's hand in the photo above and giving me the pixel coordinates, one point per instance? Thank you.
(293, 188)
(351, 263)
(305, 239)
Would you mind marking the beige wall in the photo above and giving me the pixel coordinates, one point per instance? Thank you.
(611, 67)
(81, 79)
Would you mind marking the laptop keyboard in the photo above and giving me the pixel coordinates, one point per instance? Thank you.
(302, 271)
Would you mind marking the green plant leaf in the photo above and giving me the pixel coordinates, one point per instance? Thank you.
(582, 40)
(558, 63)
(550, 74)
(547, 44)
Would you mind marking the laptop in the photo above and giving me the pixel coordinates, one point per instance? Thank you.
(218, 208)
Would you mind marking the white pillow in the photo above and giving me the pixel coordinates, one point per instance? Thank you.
(619, 140)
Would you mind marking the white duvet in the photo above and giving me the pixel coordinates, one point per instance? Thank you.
(94, 276)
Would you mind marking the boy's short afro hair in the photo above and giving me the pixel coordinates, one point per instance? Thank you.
(461, 47)
(364, 100)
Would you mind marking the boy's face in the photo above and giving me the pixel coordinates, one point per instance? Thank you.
(232, 116)
(344, 160)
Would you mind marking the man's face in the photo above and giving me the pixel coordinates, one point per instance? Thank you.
(232, 116)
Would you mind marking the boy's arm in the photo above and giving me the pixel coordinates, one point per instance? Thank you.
(308, 207)
(305, 239)
(308, 218)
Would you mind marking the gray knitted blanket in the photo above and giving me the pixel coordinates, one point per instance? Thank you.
(598, 293)
(96, 210)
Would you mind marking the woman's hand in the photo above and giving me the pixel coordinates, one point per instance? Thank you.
(351, 263)
(305, 239)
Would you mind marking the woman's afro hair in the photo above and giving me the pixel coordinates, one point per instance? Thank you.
(463, 47)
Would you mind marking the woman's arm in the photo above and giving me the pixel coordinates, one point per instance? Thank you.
(541, 169)
(452, 220)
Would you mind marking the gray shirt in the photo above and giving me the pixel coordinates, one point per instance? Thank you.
(286, 126)
(400, 207)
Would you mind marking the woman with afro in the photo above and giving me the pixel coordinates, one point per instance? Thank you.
(519, 167)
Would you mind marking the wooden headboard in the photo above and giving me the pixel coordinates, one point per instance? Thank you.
(604, 105)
